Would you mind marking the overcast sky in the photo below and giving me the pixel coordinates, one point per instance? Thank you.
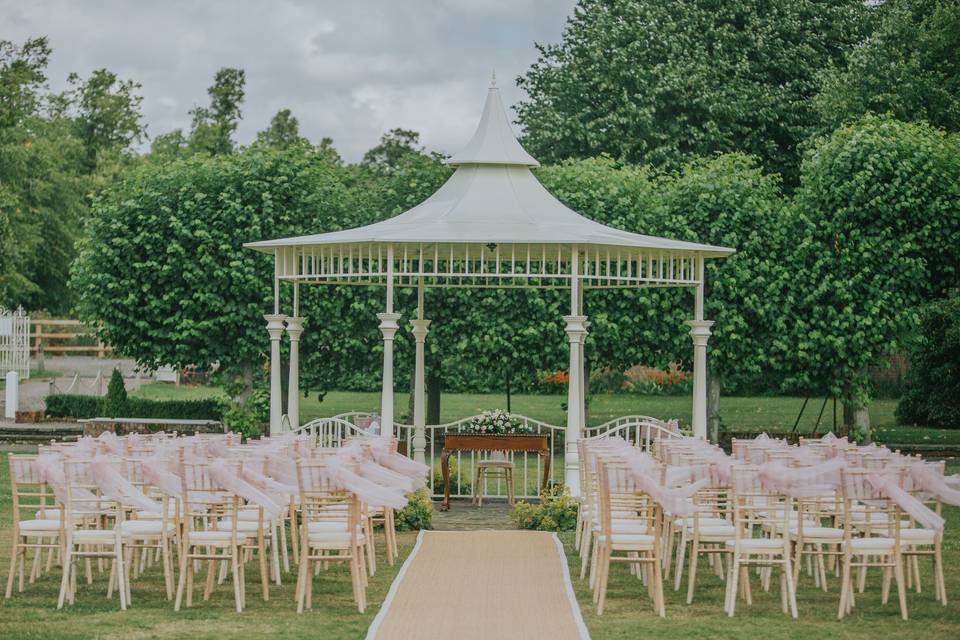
(348, 69)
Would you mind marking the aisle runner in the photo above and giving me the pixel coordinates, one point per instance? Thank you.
(482, 585)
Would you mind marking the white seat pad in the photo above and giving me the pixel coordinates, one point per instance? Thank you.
(213, 538)
(811, 533)
(917, 536)
(871, 544)
(145, 527)
(757, 544)
(39, 525)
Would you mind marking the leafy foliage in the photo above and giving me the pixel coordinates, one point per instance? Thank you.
(879, 225)
(557, 511)
(908, 67)
(662, 82)
(932, 385)
(115, 402)
(82, 407)
(213, 126)
(417, 515)
(163, 270)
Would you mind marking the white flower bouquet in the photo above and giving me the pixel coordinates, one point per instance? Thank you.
(497, 422)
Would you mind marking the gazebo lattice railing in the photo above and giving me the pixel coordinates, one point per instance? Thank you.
(492, 224)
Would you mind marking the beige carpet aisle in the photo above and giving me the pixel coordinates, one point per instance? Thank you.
(467, 585)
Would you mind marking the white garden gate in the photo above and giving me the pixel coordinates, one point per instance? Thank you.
(15, 342)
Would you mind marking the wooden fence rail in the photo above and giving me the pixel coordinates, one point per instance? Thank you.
(54, 336)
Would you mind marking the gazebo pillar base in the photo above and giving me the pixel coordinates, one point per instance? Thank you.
(275, 329)
(700, 333)
(389, 328)
(420, 330)
(576, 331)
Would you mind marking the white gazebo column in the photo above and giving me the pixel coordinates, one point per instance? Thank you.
(420, 330)
(700, 334)
(275, 329)
(294, 329)
(389, 328)
(575, 333)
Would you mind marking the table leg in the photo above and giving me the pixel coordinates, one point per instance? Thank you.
(445, 469)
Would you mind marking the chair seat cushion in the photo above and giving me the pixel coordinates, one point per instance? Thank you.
(917, 536)
(40, 525)
(333, 539)
(246, 526)
(756, 544)
(94, 536)
(322, 526)
(816, 533)
(629, 541)
(871, 544)
(145, 527)
(213, 538)
(704, 521)
(723, 531)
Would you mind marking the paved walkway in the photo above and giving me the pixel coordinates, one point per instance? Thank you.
(464, 516)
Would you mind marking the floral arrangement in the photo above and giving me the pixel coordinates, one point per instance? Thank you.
(498, 422)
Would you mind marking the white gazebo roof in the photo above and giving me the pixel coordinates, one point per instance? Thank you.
(491, 201)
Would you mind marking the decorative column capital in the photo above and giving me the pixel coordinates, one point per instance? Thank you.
(275, 325)
(388, 324)
(700, 331)
(576, 327)
(294, 327)
(420, 329)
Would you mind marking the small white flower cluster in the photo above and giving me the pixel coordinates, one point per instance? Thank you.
(497, 421)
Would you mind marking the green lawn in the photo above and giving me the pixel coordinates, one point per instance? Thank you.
(761, 413)
(628, 613)
(32, 615)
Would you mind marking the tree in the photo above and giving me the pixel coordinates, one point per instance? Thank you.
(213, 126)
(283, 132)
(169, 146)
(162, 270)
(908, 67)
(107, 115)
(41, 183)
(394, 145)
(661, 82)
(115, 402)
(931, 393)
(880, 202)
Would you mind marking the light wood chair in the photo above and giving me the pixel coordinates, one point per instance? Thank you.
(497, 466)
(641, 546)
(755, 510)
(37, 523)
(330, 532)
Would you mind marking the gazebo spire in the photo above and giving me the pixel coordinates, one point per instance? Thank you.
(494, 141)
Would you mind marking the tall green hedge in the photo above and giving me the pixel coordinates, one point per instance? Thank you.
(81, 407)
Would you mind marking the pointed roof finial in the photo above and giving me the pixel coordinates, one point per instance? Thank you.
(493, 79)
(494, 141)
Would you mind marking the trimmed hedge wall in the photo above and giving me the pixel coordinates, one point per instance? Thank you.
(80, 407)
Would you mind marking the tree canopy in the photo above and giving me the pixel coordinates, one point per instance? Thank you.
(662, 82)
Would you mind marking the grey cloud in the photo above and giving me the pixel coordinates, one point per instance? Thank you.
(349, 70)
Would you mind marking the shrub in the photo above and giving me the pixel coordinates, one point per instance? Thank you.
(81, 407)
(557, 511)
(114, 404)
(466, 483)
(418, 514)
(931, 393)
(248, 418)
(63, 405)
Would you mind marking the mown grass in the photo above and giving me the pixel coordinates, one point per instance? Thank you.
(756, 413)
(32, 615)
(628, 613)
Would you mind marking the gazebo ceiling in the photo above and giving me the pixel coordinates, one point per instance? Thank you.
(491, 210)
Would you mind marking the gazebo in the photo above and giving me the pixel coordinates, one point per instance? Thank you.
(492, 224)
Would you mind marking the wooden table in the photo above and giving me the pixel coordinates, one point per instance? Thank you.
(537, 443)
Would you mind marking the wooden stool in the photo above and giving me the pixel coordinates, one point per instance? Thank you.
(498, 466)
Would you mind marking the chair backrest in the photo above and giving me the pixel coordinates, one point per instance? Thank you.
(202, 499)
(753, 505)
(321, 498)
(865, 507)
(84, 503)
(29, 492)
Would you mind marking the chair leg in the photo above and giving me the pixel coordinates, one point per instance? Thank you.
(237, 579)
(13, 565)
(732, 587)
(901, 587)
(65, 580)
(845, 586)
(692, 569)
